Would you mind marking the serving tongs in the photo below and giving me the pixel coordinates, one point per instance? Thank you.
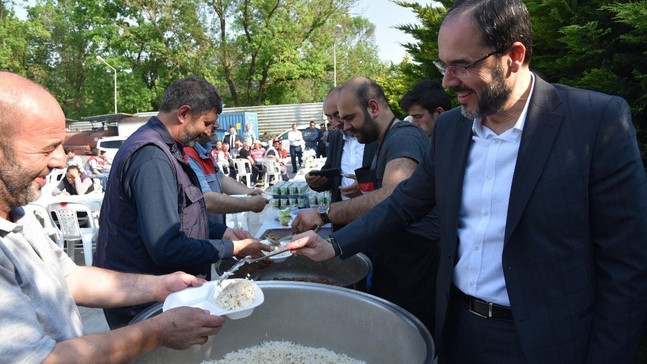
(288, 237)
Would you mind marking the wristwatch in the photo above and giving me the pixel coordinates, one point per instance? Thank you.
(323, 213)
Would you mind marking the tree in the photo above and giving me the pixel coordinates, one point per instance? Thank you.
(424, 50)
(595, 45)
(266, 48)
(254, 51)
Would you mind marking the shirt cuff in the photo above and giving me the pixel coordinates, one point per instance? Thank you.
(225, 248)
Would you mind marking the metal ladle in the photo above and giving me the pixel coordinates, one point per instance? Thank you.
(247, 260)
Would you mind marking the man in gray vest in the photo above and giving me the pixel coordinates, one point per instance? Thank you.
(154, 216)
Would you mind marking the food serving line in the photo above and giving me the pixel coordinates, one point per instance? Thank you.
(306, 303)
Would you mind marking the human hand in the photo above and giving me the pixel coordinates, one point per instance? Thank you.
(256, 203)
(182, 327)
(236, 234)
(256, 192)
(352, 190)
(253, 247)
(169, 283)
(315, 181)
(65, 193)
(74, 173)
(311, 245)
(307, 219)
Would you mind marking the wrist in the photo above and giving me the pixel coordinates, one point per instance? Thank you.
(323, 211)
(335, 246)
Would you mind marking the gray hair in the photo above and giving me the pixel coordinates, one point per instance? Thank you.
(195, 92)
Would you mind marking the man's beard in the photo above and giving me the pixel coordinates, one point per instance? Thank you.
(370, 130)
(188, 137)
(348, 134)
(492, 100)
(17, 188)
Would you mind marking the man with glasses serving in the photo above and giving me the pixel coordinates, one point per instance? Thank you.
(542, 199)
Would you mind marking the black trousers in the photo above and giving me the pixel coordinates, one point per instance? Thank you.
(295, 153)
(474, 339)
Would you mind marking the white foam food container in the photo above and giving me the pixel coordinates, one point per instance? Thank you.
(204, 297)
(279, 257)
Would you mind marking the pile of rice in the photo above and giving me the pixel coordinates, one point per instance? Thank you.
(236, 295)
(284, 352)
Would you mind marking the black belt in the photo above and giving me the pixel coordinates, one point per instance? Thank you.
(483, 308)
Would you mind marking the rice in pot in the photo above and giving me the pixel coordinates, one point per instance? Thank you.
(284, 352)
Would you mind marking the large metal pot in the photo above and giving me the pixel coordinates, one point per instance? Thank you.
(341, 272)
(339, 319)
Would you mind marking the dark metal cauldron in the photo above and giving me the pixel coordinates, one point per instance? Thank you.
(336, 271)
(339, 319)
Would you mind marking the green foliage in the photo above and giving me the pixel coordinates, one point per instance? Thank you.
(423, 51)
(254, 51)
(597, 44)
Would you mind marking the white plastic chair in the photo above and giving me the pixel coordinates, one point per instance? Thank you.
(52, 180)
(76, 222)
(56, 175)
(272, 171)
(243, 170)
(43, 217)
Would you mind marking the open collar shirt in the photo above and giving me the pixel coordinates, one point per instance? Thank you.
(484, 209)
(351, 159)
(37, 309)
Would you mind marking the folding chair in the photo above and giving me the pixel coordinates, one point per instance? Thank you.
(76, 223)
(43, 217)
(243, 170)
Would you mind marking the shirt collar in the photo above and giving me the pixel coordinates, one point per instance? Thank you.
(480, 131)
(202, 150)
(9, 225)
(348, 138)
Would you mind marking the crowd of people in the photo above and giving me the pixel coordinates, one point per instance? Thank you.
(512, 226)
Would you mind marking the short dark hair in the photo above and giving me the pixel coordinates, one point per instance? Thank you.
(502, 22)
(72, 167)
(369, 89)
(428, 94)
(193, 91)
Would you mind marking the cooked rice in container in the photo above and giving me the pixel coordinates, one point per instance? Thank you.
(236, 295)
(284, 352)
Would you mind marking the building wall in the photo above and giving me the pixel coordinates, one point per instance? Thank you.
(272, 119)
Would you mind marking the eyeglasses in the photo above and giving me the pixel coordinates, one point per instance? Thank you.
(460, 71)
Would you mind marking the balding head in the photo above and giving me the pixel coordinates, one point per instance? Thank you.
(32, 131)
(364, 110)
(20, 98)
(330, 108)
(364, 89)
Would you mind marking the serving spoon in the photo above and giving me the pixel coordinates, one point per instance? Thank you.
(247, 260)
